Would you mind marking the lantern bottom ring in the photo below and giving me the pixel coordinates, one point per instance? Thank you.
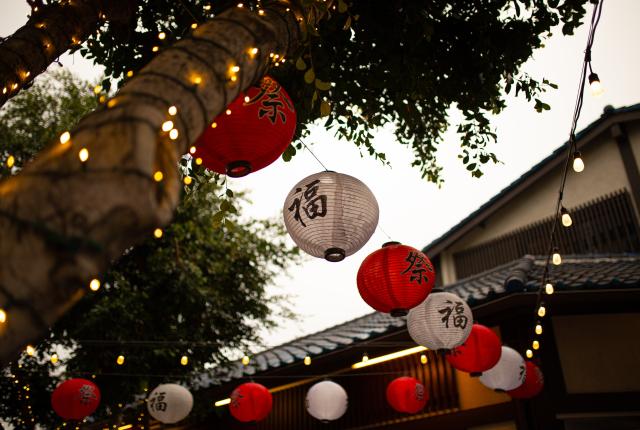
(475, 374)
(334, 254)
(396, 313)
(238, 169)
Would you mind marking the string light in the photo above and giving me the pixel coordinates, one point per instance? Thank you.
(556, 259)
(538, 329)
(595, 85)
(261, 12)
(198, 161)
(207, 7)
(155, 49)
(214, 124)
(529, 353)
(194, 25)
(535, 345)
(565, 217)
(365, 357)
(54, 359)
(192, 150)
(112, 103)
(167, 125)
(252, 52)
(3, 316)
(94, 285)
(172, 110)
(578, 163)
(173, 134)
(83, 155)
(97, 89)
(129, 73)
(240, 5)
(65, 137)
(158, 176)
(187, 180)
(162, 35)
(228, 112)
(246, 360)
(542, 311)
(548, 289)
(157, 233)
(10, 161)
(30, 350)
(196, 79)
(424, 359)
(307, 361)
(120, 360)
(184, 360)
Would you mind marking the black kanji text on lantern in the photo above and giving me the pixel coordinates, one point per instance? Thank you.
(460, 320)
(272, 102)
(418, 267)
(315, 205)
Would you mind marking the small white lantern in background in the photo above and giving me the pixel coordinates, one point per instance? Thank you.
(169, 403)
(442, 321)
(326, 401)
(508, 373)
(330, 215)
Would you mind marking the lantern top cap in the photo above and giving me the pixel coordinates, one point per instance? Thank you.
(390, 243)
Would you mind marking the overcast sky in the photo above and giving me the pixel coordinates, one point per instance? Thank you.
(411, 210)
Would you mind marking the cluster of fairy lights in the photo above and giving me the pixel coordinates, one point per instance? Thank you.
(562, 215)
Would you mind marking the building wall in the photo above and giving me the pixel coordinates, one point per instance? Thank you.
(604, 173)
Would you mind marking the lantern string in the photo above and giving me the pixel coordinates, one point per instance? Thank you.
(571, 150)
(314, 156)
(384, 232)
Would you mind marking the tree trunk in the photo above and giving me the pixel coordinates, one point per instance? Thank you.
(62, 221)
(50, 32)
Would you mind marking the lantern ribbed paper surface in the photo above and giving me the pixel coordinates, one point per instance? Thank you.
(533, 383)
(481, 351)
(330, 215)
(442, 321)
(75, 399)
(326, 401)
(253, 135)
(250, 402)
(407, 395)
(395, 278)
(508, 373)
(169, 403)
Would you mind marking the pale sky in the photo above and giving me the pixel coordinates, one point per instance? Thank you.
(411, 210)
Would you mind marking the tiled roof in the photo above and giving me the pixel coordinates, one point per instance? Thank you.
(575, 273)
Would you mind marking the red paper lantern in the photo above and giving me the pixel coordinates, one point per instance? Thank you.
(533, 383)
(481, 351)
(75, 399)
(252, 133)
(395, 278)
(407, 395)
(250, 402)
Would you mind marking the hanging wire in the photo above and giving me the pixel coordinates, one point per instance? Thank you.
(314, 156)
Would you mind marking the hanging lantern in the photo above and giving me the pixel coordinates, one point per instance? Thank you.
(395, 278)
(533, 383)
(75, 399)
(407, 395)
(169, 403)
(326, 401)
(252, 133)
(481, 351)
(330, 215)
(508, 373)
(442, 321)
(250, 402)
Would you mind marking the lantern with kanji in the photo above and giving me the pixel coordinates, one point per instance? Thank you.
(533, 383)
(481, 351)
(508, 373)
(395, 278)
(250, 402)
(252, 133)
(330, 215)
(407, 395)
(326, 401)
(169, 403)
(75, 399)
(442, 321)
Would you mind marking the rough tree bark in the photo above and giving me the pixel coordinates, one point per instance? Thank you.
(63, 221)
(50, 32)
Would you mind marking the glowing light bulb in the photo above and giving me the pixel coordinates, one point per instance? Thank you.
(184, 360)
(535, 344)
(548, 289)
(578, 163)
(198, 161)
(246, 360)
(162, 35)
(365, 357)
(542, 311)
(253, 52)
(94, 285)
(30, 350)
(65, 137)
(197, 80)
(538, 329)
(228, 111)
(3, 316)
(194, 25)
(595, 85)
(155, 49)
(173, 134)
(246, 99)
(207, 7)
(129, 73)
(158, 176)
(556, 258)
(192, 150)
(97, 89)
(307, 361)
(529, 353)
(54, 359)
(111, 103)
(240, 5)
(565, 217)
(234, 69)
(424, 359)
(11, 161)
(83, 154)
(157, 233)
(187, 180)
(167, 125)
(120, 360)
(261, 12)
(172, 110)
(214, 124)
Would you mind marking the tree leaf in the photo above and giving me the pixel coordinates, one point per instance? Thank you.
(300, 64)
(342, 6)
(322, 85)
(325, 108)
(309, 76)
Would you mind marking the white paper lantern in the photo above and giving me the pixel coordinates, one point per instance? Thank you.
(508, 373)
(169, 403)
(330, 215)
(327, 401)
(442, 321)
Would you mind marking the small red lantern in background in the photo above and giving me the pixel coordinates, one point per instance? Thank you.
(250, 402)
(533, 383)
(481, 351)
(75, 399)
(395, 278)
(407, 395)
(252, 133)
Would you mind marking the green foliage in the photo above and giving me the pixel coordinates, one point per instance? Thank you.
(198, 290)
